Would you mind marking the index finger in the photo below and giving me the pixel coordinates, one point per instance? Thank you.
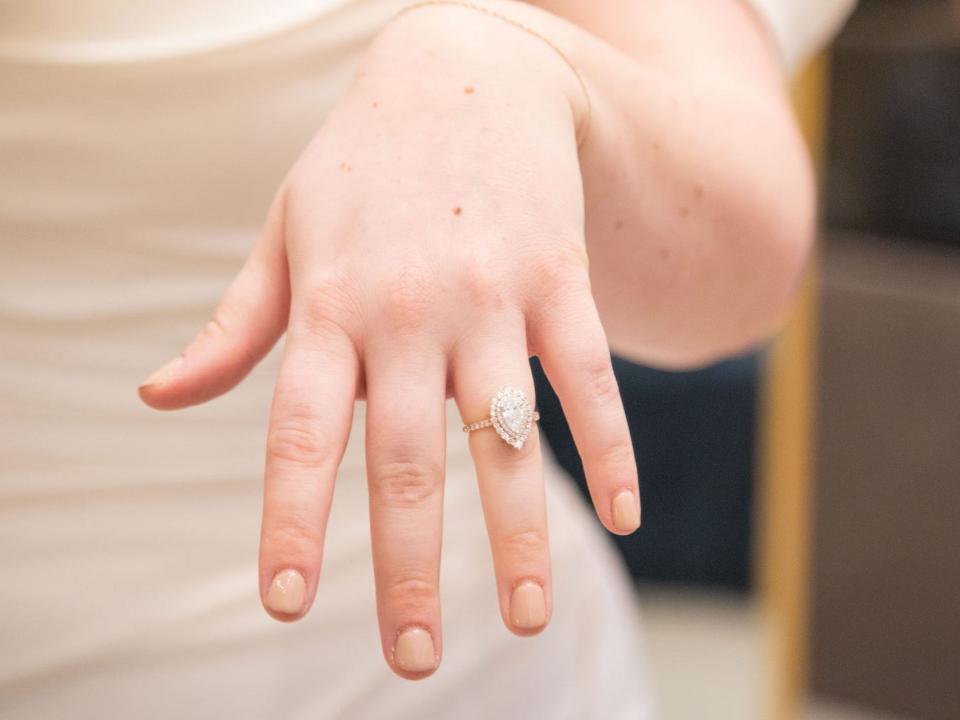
(309, 427)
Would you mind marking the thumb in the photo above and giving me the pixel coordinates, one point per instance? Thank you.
(249, 320)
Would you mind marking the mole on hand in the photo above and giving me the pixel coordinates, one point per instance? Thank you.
(346, 167)
(468, 90)
(457, 210)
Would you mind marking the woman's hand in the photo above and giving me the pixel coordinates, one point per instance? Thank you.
(426, 244)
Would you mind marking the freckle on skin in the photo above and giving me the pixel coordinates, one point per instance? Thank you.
(346, 167)
(664, 254)
(468, 90)
(684, 211)
(457, 210)
(375, 105)
(698, 192)
(657, 145)
(618, 225)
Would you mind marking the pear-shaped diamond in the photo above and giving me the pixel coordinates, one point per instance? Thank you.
(512, 416)
(515, 413)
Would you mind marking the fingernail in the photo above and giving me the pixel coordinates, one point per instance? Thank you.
(287, 593)
(626, 515)
(414, 651)
(164, 373)
(528, 607)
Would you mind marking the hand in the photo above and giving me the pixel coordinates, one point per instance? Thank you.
(426, 244)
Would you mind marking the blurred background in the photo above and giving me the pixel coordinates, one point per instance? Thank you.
(800, 553)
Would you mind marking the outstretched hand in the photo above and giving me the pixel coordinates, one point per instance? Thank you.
(428, 241)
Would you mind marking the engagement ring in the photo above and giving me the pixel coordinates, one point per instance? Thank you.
(510, 415)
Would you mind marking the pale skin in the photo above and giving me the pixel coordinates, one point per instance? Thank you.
(442, 227)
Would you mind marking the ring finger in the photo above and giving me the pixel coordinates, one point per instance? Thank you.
(510, 479)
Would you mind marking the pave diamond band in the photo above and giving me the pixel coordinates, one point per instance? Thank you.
(510, 415)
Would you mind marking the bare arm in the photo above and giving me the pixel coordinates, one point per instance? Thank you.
(698, 191)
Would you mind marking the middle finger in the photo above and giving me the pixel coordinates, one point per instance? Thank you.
(405, 444)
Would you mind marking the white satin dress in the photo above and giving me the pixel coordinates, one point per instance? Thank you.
(140, 144)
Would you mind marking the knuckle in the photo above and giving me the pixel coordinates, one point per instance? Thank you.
(224, 330)
(326, 304)
(291, 534)
(413, 589)
(616, 459)
(601, 383)
(484, 288)
(217, 326)
(407, 301)
(526, 542)
(297, 438)
(406, 483)
(561, 274)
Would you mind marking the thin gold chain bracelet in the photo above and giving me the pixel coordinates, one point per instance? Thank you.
(585, 129)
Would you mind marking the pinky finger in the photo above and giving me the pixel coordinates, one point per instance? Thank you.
(574, 353)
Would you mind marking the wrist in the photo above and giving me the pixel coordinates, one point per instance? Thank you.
(520, 55)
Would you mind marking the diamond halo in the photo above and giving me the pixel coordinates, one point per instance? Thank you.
(511, 415)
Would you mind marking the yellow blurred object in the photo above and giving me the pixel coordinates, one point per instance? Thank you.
(785, 460)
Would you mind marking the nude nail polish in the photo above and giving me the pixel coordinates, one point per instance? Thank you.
(414, 651)
(626, 516)
(528, 606)
(164, 373)
(287, 593)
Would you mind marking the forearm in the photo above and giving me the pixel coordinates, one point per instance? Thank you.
(699, 195)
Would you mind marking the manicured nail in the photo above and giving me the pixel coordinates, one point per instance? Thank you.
(164, 373)
(414, 651)
(626, 516)
(287, 593)
(528, 608)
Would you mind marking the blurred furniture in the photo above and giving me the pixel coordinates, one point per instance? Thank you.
(784, 461)
(886, 602)
(895, 122)
(886, 559)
